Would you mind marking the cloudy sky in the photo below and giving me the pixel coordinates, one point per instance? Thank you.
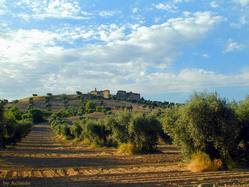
(166, 50)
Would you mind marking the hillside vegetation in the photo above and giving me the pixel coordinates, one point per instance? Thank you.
(210, 132)
(55, 103)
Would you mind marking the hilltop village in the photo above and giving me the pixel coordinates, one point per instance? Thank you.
(121, 95)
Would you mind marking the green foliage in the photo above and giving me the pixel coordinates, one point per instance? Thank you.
(60, 126)
(100, 109)
(123, 128)
(64, 98)
(138, 130)
(31, 103)
(119, 127)
(206, 124)
(144, 133)
(95, 133)
(17, 114)
(76, 130)
(65, 131)
(81, 111)
(63, 113)
(242, 111)
(73, 111)
(11, 130)
(47, 102)
(78, 93)
(90, 107)
(37, 115)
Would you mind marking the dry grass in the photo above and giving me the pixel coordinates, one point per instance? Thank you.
(126, 149)
(201, 162)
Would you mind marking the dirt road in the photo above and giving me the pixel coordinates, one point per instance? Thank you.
(39, 160)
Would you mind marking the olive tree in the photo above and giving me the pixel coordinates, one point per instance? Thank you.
(207, 124)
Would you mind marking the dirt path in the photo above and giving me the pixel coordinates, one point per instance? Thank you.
(41, 161)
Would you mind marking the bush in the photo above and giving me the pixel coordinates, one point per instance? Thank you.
(95, 133)
(201, 162)
(72, 111)
(16, 113)
(22, 129)
(76, 130)
(242, 111)
(119, 127)
(11, 130)
(139, 131)
(144, 133)
(65, 131)
(81, 111)
(207, 124)
(37, 116)
(99, 108)
(90, 107)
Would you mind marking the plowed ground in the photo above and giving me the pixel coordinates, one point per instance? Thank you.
(40, 160)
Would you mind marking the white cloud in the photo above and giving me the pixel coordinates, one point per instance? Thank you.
(205, 55)
(170, 7)
(135, 10)
(2, 7)
(181, 1)
(214, 4)
(107, 13)
(34, 60)
(51, 9)
(232, 46)
(243, 21)
(242, 2)
(189, 80)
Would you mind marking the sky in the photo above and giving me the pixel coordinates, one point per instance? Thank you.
(165, 50)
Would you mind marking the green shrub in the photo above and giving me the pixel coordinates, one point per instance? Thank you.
(118, 127)
(76, 130)
(22, 129)
(11, 130)
(81, 111)
(16, 113)
(65, 131)
(99, 108)
(37, 116)
(242, 111)
(90, 107)
(207, 124)
(95, 133)
(144, 133)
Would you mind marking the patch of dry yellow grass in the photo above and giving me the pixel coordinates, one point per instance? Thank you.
(126, 149)
(201, 162)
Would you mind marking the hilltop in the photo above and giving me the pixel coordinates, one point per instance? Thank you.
(123, 100)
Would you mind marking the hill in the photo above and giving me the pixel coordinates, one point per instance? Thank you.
(57, 102)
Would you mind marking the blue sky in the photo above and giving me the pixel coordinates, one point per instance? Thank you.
(166, 50)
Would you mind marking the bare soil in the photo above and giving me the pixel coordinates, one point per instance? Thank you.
(40, 160)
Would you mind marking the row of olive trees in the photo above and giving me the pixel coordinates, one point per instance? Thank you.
(140, 131)
(209, 124)
(12, 126)
(85, 108)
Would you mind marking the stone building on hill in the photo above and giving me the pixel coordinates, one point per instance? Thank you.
(103, 93)
(123, 95)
